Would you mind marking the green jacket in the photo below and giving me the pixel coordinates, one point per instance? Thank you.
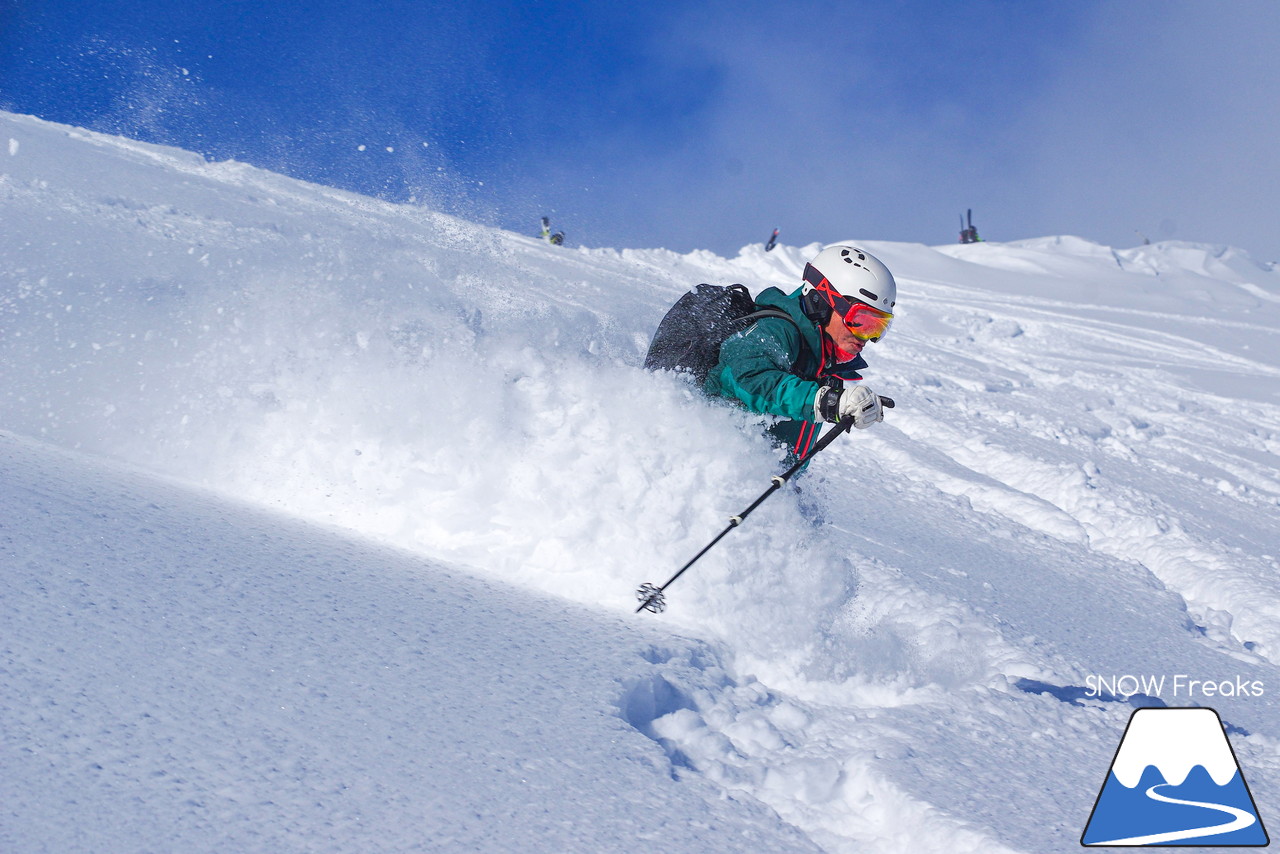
(775, 368)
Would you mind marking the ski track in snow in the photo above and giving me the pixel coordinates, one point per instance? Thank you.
(1080, 478)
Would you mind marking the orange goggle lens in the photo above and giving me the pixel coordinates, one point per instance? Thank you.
(865, 322)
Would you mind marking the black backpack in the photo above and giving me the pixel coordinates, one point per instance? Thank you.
(689, 337)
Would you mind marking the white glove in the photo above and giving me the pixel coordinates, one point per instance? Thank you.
(858, 402)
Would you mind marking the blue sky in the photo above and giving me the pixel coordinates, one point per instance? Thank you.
(704, 125)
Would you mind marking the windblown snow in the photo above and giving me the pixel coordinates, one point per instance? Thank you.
(321, 520)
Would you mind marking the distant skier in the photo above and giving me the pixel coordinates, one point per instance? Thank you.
(970, 234)
(556, 239)
(773, 241)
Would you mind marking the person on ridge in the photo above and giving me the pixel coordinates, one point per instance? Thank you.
(556, 239)
(799, 370)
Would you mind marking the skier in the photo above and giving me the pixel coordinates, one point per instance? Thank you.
(970, 234)
(556, 239)
(792, 361)
(798, 369)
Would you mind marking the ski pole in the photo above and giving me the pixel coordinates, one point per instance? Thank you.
(651, 597)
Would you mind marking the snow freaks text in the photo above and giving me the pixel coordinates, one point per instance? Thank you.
(1178, 686)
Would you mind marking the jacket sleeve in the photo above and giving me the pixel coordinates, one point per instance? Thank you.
(755, 368)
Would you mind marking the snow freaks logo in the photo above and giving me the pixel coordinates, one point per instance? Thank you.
(1174, 781)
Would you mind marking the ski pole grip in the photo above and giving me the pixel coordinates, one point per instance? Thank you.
(887, 402)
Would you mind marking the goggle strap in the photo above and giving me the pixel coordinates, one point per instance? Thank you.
(815, 278)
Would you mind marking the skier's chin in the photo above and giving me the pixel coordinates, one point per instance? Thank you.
(849, 355)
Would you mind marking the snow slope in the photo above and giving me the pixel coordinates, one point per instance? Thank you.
(185, 673)
(1080, 480)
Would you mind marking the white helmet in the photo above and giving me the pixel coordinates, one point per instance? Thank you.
(855, 274)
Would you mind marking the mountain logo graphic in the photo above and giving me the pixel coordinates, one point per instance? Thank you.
(1175, 781)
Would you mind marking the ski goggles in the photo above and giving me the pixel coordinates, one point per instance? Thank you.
(866, 323)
